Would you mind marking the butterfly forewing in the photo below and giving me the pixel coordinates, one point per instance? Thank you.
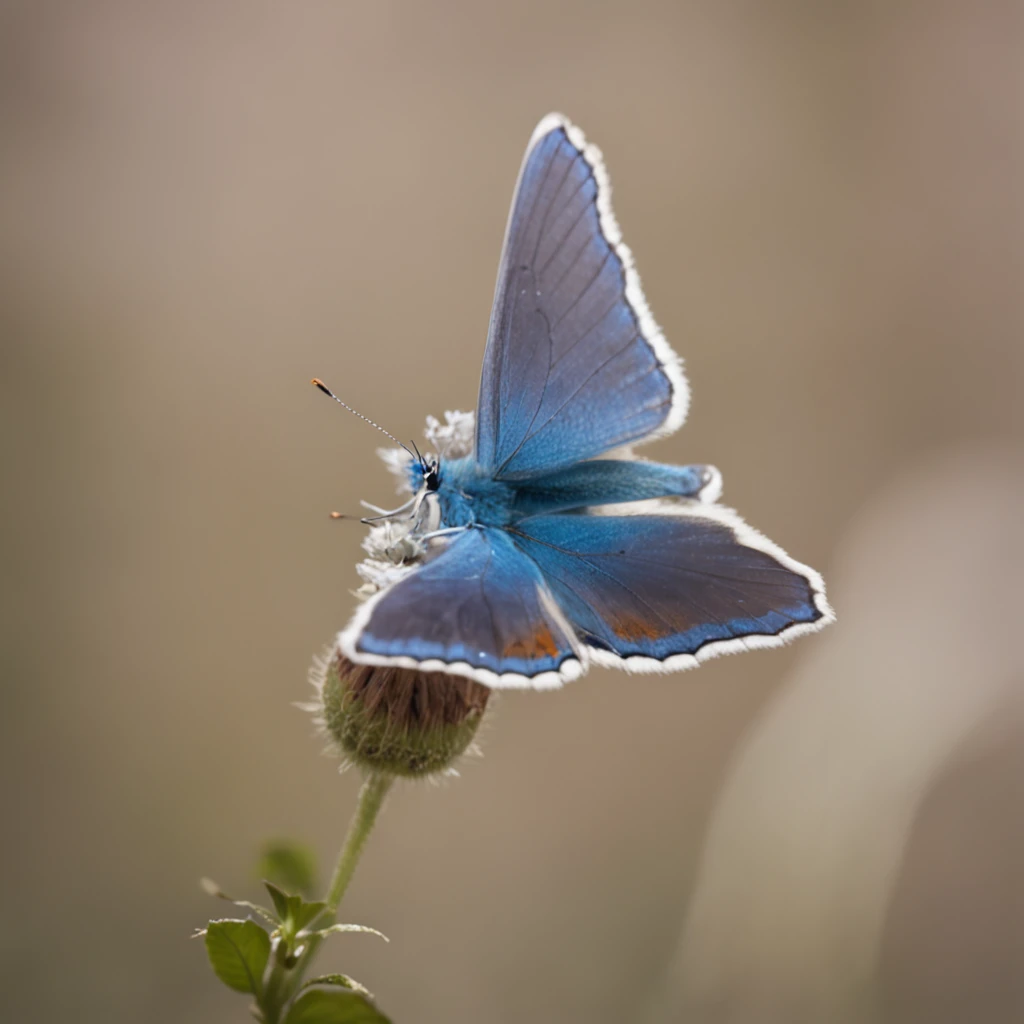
(575, 365)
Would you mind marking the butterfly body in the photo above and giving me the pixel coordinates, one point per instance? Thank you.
(468, 496)
(545, 545)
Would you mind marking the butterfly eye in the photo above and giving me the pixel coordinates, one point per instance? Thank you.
(431, 474)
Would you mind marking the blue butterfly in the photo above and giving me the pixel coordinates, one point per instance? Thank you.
(546, 546)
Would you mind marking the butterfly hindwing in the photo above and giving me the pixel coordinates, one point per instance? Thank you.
(478, 608)
(613, 481)
(575, 364)
(648, 592)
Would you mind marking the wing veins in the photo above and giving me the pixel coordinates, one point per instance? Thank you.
(554, 197)
(728, 582)
(536, 412)
(533, 433)
(712, 575)
(590, 284)
(629, 590)
(711, 619)
(575, 224)
(586, 334)
(571, 266)
(509, 275)
(486, 600)
(586, 556)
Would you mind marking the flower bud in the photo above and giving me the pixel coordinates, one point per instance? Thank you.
(397, 721)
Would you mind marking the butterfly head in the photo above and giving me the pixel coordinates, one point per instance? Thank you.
(426, 473)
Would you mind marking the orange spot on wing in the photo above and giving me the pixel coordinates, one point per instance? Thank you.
(631, 628)
(541, 645)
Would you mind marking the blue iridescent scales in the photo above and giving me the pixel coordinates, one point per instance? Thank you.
(551, 547)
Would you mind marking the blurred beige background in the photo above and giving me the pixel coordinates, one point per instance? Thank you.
(204, 204)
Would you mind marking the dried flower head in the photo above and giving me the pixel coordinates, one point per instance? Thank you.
(395, 720)
(391, 549)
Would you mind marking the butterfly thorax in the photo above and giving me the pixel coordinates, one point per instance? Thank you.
(466, 496)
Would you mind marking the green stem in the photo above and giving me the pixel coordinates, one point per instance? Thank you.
(283, 981)
(371, 799)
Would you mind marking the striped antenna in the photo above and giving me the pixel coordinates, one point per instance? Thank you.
(330, 394)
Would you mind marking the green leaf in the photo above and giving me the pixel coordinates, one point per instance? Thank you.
(281, 900)
(209, 886)
(324, 932)
(340, 981)
(295, 913)
(321, 1007)
(289, 865)
(238, 952)
(307, 913)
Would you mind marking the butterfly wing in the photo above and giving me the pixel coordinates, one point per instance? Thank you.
(478, 608)
(667, 591)
(575, 364)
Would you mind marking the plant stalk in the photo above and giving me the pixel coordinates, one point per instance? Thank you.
(371, 799)
(283, 981)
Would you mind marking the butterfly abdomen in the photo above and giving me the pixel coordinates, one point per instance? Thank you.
(468, 495)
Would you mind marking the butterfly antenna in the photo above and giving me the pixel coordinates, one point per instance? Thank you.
(330, 394)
